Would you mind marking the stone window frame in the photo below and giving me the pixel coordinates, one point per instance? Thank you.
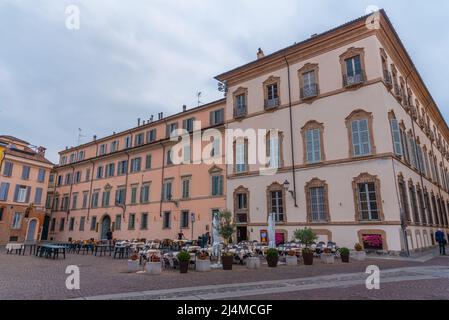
(392, 116)
(317, 183)
(309, 67)
(360, 114)
(367, 178)
(266, 83)
(384, 58)
(413, 198)
(421, 204)
(238, 92)
(348, 54)
(234, 147)
(383, 233)
(281, 147)
(312, 124)
(187, 177)
(276, 186)
(241, 190)
(215, 171)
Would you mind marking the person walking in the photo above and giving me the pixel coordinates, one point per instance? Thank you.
(109, 236)
(439, 237)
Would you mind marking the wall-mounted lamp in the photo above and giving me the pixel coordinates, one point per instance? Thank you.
(286, 186)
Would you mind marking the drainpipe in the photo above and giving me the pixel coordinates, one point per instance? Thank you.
(126, 185)
(91, 184)
(70, 193)
(162, 178)
(291, 131)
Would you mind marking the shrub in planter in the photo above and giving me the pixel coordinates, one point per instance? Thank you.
(272, 257)
(307, 256)
(184, 259)
(307, 237)
(202, 262)
(359, 254)
(344, 254)
(133, 263)
(227, 259)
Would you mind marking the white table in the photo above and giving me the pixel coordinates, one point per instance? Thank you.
(14, 246)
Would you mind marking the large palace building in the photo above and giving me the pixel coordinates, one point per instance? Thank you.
(360, 147)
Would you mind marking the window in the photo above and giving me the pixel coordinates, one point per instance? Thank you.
(184, 219)
(139, 139)
(120, 195)
(216, 117)
(118, 222)
(135, 164)
(68, 179)
(166, 220)
(151, 136)
(53, 224)
(352, 64)
(81, 155)
(65, 203)
(103, 150)
(396, 136)
(78, 177)
(134, 194)
(360, 132)
(145, 193)
(82, 223)
(87, 174)
(7, 169)
(110, 170)
(308, 81)
(26, 172)
(4, 190)
(274, 148)
(271, 90)
(144, 221)
(1, 213)
(169, 157)
(186, 154)
(148, 159)
(276, 204)
(85, 199)
(41, 175)
(171, 130)
(61, 224)
(114, 146)
(122, 167)
(414, 202)
(59, 182)
(241, 155)
(367, 196)
(187, 124)
(216, 147)
(38, 196)
(100, 172)
(317, 201)
(240, 109)
(106, 198)
(185, 187)
(16, 221)
(422, 208)
(93, 223)
(71, 224)
(95, 196)
(63, 160)
(74, 201)
(217, 184)
(167, 188)
(22, 194)
(131, 221)
(128, 142)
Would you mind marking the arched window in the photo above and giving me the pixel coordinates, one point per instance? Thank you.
(360, 132)
(317, 201)
(313, 146)
(367, 196)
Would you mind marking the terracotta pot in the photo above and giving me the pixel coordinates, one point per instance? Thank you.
(227, 262)
(344, 258)
(308, 258)
(183, 266)
(272, 261)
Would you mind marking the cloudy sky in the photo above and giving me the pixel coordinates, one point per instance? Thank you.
(135, 58)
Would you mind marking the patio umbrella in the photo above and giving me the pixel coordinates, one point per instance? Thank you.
(216, 240)
(271, 231)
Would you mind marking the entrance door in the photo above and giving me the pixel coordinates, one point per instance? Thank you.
(105, 227)
(31, 230)
(45, 227)
(241, 234)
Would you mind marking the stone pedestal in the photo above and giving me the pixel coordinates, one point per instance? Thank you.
(253, 263)
(153, 267)
(328, 258)
(133, 265)
(291, 260)
(358, 255)
(202, 265)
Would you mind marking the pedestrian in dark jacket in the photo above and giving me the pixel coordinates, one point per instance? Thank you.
(439, 237)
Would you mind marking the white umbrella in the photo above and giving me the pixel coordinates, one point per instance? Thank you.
(271, 231)
(216, 241)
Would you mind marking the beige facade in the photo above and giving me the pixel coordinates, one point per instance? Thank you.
(24, 174)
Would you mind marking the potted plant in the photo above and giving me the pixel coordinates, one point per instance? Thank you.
(291, 259)
(272, 257)
(202, 263)
(154, 265)
(344, 254)
(359, 254)
(307, 237)
(226, 229)
(253, 262)
(327, 257)
(133, 263)
(184, 260)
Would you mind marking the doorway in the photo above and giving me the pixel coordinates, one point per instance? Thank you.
(105, 227)
(242, 234)
(45, 228)
(31, 233)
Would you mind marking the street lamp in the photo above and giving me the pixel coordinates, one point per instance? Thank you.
(286, 186)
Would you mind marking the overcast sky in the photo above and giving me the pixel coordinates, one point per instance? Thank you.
(135, 58)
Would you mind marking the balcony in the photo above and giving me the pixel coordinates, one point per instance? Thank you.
(309, 91)
(398, 92)
(413, 112)
(241, 218)
(387, 78)
(271, 103)
(353, 80)
(240, 111)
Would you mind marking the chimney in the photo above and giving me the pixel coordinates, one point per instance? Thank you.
(138, 122)
(95, 137)
(184, 108)
(67, 147)
(151, 118)
(41, 151)
(260, 53)
(160, 115)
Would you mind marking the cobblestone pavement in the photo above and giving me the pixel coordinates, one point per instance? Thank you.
(28, 277)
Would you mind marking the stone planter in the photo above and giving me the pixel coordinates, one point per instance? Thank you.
(153, 267)
(227, 262)
(253, 263)
(183, 266)
(344, 258)
(358, 255)
(328, 258)
(291, 260)
(202, 265)
(133, 265)
(308, 258)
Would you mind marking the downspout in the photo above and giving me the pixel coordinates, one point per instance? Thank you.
(162, 178)
(91, 184)
(126, 185)
(291, 131)
(70, 193)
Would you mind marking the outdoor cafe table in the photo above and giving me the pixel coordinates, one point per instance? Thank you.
(49, 250)
(18, 247)
(104, 249)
